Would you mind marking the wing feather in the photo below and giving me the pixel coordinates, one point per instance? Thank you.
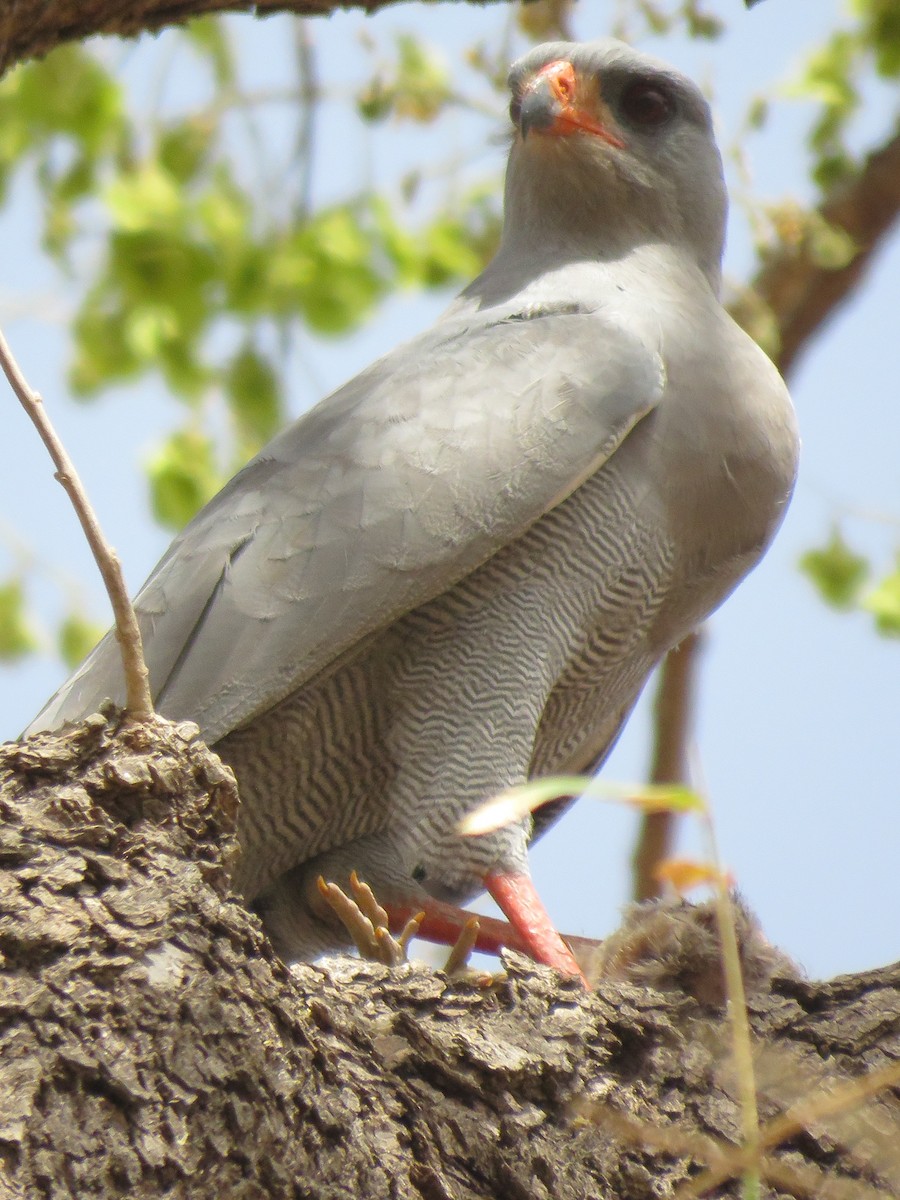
(380, 498)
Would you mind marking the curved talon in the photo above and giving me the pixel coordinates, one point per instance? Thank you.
(458, 958)
(367, 901)
(409, 931)
(361, 929)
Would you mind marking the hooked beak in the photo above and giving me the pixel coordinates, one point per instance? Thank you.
(558, 101)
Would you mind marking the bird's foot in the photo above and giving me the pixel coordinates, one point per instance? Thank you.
(369, 925)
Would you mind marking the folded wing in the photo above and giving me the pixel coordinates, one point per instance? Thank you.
(380, 498)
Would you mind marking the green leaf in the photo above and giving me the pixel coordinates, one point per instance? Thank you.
(102, 353)
(837, 571)
(324, 271)
(884, 603)
(210, 38)
(831, 248)
(881, 30)
(828, 77)
(448, 254)
(184, 148)
(254, 396)
(67, 92)
(183, 476)
(76, 637)
(145, 199)
(422, 87)
(16, 636)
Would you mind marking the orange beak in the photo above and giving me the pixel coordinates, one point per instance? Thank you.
(560, 102)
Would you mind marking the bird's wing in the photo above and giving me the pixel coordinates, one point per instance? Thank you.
(380, 498)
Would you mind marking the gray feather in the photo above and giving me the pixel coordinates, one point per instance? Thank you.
(380, 498)
(459, 570)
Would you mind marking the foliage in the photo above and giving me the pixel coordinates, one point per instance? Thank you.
(196, 261)
(16, 635)
(833, 77)
(841, 577)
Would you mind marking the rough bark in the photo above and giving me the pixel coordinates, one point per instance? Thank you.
(31, 28)
(151, 1043)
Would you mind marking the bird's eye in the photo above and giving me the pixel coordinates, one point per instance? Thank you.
(515, 109)
(647, 104)
(419, 873)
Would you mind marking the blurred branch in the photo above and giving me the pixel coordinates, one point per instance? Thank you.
(801, 293)
(673, 715)
(138, 702)
(31, 28)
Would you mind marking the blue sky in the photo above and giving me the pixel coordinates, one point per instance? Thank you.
(797, 725)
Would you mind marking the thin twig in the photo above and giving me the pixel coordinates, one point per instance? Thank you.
(138, 700)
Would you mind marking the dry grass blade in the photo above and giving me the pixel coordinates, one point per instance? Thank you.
(515, 803)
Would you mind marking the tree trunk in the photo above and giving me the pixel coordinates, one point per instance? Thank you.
(152, 1044)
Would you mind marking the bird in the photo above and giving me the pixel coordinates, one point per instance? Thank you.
(457, 571)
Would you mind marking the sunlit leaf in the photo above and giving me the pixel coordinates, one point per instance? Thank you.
(17, 638)
(884, 603)
(209, 36)
(67, 92)
(837, 571)
(76, 637)
(183, 476)
(184, 148)
(254, 397)
(144, 199)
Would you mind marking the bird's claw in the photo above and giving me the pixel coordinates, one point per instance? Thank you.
(368, 924)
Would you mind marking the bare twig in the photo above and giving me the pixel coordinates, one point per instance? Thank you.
(138, 700)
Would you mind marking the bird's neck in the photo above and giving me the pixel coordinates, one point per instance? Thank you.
(551, 277)
(575, 214)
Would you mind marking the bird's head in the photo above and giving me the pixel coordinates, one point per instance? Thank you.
(612, 148)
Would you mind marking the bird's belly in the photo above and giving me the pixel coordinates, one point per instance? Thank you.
(527, 666)
(313, 773)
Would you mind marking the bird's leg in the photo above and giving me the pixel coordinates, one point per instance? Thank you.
(530, 930)
(517, 896)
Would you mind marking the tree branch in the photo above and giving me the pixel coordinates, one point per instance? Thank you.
(800, 292)
(32, 28)
(138, 700)
(151, 1043)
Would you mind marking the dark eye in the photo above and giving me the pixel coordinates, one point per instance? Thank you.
(647, 104)
(419, 873)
